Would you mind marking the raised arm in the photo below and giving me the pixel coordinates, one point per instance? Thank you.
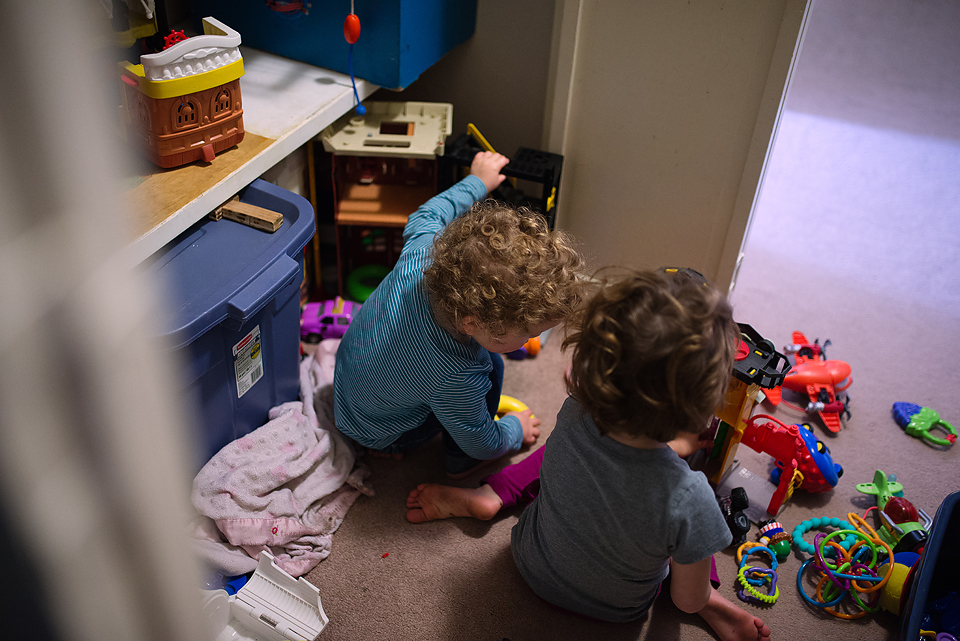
(486, 166)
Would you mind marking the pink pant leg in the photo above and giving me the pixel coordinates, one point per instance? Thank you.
(518, 483)
(714, 575)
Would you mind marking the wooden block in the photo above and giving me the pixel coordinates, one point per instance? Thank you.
(248, 214)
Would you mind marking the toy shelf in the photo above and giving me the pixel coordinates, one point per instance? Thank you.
(285, 104)
(381, 205)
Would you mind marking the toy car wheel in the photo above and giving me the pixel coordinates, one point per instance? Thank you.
(739, 499)
(741, 522)
(312, 339)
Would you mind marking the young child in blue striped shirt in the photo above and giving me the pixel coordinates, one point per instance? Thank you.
(423, 355)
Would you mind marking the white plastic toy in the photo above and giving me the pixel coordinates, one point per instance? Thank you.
(272, 606)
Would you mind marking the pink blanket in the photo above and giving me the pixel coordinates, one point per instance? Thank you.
(285, 487)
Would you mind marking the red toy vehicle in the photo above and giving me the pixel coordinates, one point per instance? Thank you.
(326, 319)
(820, 379)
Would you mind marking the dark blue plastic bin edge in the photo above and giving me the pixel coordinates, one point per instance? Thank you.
(917, 600)
(241, 316)
(178, 338)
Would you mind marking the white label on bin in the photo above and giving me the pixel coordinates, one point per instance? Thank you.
(248, 361)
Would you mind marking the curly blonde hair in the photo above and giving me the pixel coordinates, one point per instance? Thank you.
(504, 267)
(653, 355)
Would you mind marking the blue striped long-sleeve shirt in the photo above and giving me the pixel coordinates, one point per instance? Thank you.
(395, 364)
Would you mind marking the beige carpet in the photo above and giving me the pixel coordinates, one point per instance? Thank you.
(855, 240)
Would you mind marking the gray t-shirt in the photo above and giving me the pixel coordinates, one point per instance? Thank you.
(599, 537)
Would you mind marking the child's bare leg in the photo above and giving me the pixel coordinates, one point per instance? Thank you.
(732, 623)
(430, 501)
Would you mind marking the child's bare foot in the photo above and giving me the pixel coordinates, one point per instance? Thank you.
(429, 502)
(731, 623)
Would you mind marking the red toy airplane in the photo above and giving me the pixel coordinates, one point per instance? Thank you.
(819, 378)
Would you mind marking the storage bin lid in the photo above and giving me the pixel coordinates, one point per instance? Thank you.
(221, 269)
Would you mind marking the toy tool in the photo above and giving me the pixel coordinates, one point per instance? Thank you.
(800, 460)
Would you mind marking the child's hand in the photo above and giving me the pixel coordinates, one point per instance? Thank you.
(687, 443)
(530, 424)
(486, 166)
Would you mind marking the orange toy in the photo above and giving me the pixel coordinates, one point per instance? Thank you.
(183, 103)
(818, 378)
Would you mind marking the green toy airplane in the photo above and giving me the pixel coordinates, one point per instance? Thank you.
(882, 487)
(907, 535)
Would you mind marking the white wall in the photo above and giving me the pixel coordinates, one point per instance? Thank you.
(498, 78)
(664, 112)
(672, 110)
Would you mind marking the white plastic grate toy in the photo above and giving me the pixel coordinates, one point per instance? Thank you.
(272, 606)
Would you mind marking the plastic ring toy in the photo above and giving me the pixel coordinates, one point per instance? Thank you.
(865, 541)
(801, 529)
(825, 568)
(364, 279)
(854, 556)
(756, 549)
(872, 608)
(860, 524)
(840, 615)
(886, 577)
(753, 592)
(846, 574)
(816, 604)
(746, 545)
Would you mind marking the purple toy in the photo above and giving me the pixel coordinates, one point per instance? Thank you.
(326, 319)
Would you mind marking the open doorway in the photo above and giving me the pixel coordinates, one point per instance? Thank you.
(861, 195)
(856, 234)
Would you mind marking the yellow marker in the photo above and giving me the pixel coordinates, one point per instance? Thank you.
(473, 131)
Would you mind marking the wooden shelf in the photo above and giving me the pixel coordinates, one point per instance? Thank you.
(285, 104)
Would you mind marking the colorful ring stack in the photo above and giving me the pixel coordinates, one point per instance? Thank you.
(755, 576)
(801, 529)
(853, 573)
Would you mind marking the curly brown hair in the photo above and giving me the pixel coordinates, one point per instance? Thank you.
(503, 266)
(653, 355)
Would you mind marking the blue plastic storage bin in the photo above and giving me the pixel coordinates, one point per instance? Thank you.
(233, 316)
(399, 39)
(935, 577)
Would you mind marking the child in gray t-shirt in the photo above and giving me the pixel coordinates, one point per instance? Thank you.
(613, 507)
